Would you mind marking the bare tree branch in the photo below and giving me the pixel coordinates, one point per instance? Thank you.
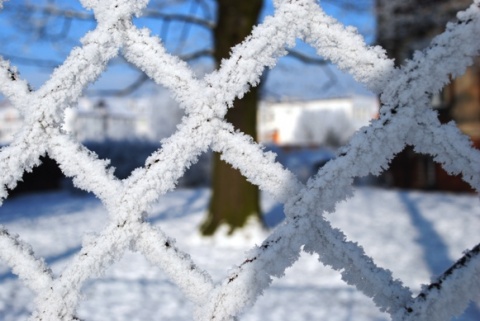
(143, 78)
(186, 29)
(207, 24)
(197, 54)
(306, 58)
(51, 14)
(51, 10)
(355, 6)
(42, 63)
(79, 15)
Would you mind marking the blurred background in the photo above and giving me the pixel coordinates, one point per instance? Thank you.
(306, 107)
(303, 110)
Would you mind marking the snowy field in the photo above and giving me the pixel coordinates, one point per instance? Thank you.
(416, 235)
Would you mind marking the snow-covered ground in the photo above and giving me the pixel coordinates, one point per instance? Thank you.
(415, 235)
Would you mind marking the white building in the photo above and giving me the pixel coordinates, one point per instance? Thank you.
(319, 122)
(152, 117)
(155, 117)
(10, 122)
(100, 119)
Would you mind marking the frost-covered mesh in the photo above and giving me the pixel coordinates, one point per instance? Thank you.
(405, 118)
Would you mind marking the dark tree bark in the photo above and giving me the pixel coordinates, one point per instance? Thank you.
(234, 200)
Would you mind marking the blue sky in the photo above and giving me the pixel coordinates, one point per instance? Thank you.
(290, 79)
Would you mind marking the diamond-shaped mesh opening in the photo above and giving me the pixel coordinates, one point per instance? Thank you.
(55, 225)
(125, 124)
(46, 217)
(185, 28)
(104, 298)
(428, 224)
(310, 109)
(305, 291)
(304, 75)
(119, 79)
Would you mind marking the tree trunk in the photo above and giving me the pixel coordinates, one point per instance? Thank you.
(234, 200)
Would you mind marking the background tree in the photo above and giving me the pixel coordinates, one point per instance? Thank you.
(234, 200)
(406, 26)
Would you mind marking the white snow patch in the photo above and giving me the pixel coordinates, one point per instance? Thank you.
(388, 224)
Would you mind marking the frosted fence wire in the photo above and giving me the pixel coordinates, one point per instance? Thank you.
(405, 118)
